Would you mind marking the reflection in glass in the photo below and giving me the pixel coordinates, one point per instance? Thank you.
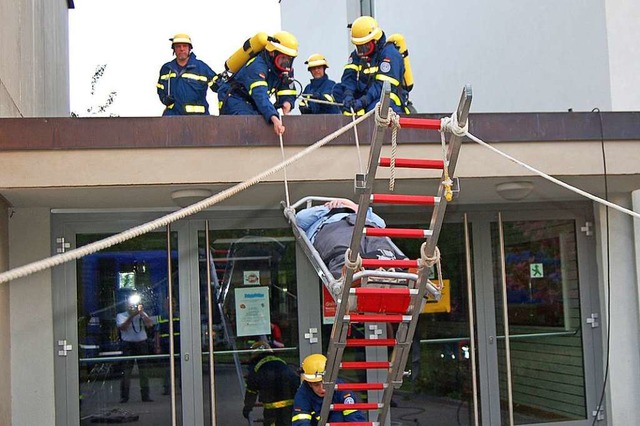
(127, 284)
(544, 321)
(254, 285)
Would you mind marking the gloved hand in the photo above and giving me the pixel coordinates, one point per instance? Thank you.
(245, 412)
(359, 104)
(305, 110)
(169, 100)
(347, 103)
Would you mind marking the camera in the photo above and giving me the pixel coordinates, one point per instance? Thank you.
(135, 302)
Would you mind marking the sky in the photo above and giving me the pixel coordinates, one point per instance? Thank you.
(132, 38)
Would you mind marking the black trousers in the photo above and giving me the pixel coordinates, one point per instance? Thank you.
(133, 349)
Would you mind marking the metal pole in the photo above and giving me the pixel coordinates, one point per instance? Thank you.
(472, 336)
(172, 350)
(208, 257)
(505, 318)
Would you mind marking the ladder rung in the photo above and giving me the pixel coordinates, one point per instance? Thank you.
(412, 163)
(384, 263)
(360, 386)
(357, 406)
(364, 365)
(397, 232)
(420, 123)
(377, 318)
(361, 343)
(375, 291)
(353, 424)
(424, 200)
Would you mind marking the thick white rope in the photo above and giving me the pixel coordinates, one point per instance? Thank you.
(552, 179)
(394, 119)
(77, 253)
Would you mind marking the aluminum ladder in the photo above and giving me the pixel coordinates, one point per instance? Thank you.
(401, 305)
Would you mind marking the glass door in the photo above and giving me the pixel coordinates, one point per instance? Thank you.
(540, 339)
(123, 330)
(250, 275)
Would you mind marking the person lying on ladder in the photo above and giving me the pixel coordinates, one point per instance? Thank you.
(329, 228)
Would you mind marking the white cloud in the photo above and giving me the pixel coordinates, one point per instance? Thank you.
(132, 38)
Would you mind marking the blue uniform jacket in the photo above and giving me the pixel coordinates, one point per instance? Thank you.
(248, 91)
(360, 80)
(319, 88)
(307, 406)
(187, 85)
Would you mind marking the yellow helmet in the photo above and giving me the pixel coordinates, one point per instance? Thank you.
(313, 367)
(181, 38)
(283, 42)
(364, 29)
(316, 60)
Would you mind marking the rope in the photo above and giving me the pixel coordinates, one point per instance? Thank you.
(284, 170)
(356, 264)
(77, 253)
(450, 124)
(429, 261)
(552, 179)
(395, 124)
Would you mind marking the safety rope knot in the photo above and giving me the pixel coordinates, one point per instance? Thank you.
(450, 124)
(356, 264)
(429, 260)
(382, 121)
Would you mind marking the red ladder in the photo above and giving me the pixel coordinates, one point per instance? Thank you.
(397, 305)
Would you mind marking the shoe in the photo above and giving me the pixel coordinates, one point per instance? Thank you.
(147, 399)
(123, 400)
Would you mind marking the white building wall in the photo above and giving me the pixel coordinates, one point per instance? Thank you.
(524, 56)
(618, 267)
(31, 319)
(624, 57)
(34, 60)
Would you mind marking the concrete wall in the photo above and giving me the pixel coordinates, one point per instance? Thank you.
(618, 266)
(5, 323)
(34, 66)
(532, 55)
(623, 34)
(32, 342)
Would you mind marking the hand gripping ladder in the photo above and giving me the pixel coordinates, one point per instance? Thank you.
(399, 305)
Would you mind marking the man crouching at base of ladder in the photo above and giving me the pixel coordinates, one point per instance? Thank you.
(307, 403)
(329, 228)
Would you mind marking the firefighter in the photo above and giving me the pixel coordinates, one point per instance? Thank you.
(373, 62)
(183, 82)
(308, 401)
(269, 72)
(320, 87)
(271, 379)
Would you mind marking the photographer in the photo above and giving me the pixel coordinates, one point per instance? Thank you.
(132, 325)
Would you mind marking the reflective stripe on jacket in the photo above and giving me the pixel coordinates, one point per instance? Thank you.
(187, 85)
(307, 406)
(319, 88)
(362, 80)
(253, 85)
